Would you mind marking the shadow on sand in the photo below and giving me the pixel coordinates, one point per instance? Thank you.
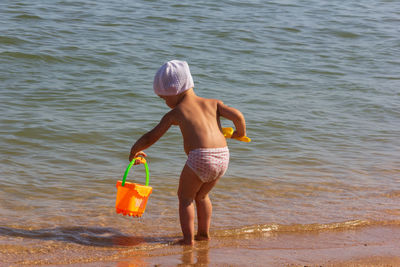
(89, 236)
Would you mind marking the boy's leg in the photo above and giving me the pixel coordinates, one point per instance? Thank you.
(189, 185)
(204, 210)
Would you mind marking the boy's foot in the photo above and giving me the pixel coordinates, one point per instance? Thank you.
(199, 237)
(182, 242)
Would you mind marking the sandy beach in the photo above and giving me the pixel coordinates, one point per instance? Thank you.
(367, 246)
(370, 246)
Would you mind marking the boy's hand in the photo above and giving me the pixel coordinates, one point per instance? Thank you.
(236, 135)
(132, 156)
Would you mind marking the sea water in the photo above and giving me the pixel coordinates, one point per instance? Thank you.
(317, 81)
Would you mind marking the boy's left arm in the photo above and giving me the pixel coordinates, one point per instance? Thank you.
(152, 136)
(235, 116)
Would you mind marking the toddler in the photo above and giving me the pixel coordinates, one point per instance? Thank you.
(208, 155)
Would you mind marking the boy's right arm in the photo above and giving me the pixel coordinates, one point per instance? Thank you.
(235, 116)
(152, 136)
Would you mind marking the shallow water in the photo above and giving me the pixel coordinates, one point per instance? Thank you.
(318, 84)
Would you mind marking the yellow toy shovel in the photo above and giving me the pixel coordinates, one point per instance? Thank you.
(228, 131)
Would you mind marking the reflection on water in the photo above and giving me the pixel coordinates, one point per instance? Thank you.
(198, 255)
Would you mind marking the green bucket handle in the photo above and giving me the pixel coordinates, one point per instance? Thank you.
(130, 166)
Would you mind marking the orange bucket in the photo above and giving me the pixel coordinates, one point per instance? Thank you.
(132, 198)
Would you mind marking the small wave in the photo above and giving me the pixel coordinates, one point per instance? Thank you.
(30, 17)
(218, 34)
(111, 24)
(181, 5)
(249, 40)
(344, 34)
(48, 58)
(163, 19)
(297, 228)
(387, 77)
(11, 40)
(39, 57)
(289, 29)
(326, 72)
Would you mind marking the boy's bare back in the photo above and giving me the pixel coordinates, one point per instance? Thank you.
(199, 122)
(198, 119)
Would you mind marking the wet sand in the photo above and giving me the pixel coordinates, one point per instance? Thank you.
(361, 246)
(370, 246)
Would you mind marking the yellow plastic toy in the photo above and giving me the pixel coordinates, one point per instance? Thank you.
(132, 198)
(228, 131)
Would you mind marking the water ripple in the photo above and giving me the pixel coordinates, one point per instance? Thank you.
(317, 83)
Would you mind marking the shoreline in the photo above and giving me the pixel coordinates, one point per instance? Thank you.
(369, 246)
(363, 246)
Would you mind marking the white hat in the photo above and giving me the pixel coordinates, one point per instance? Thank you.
(173, 78)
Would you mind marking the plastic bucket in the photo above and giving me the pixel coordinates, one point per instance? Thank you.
(132, 198)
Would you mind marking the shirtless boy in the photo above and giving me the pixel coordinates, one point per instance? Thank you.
(208, 155)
